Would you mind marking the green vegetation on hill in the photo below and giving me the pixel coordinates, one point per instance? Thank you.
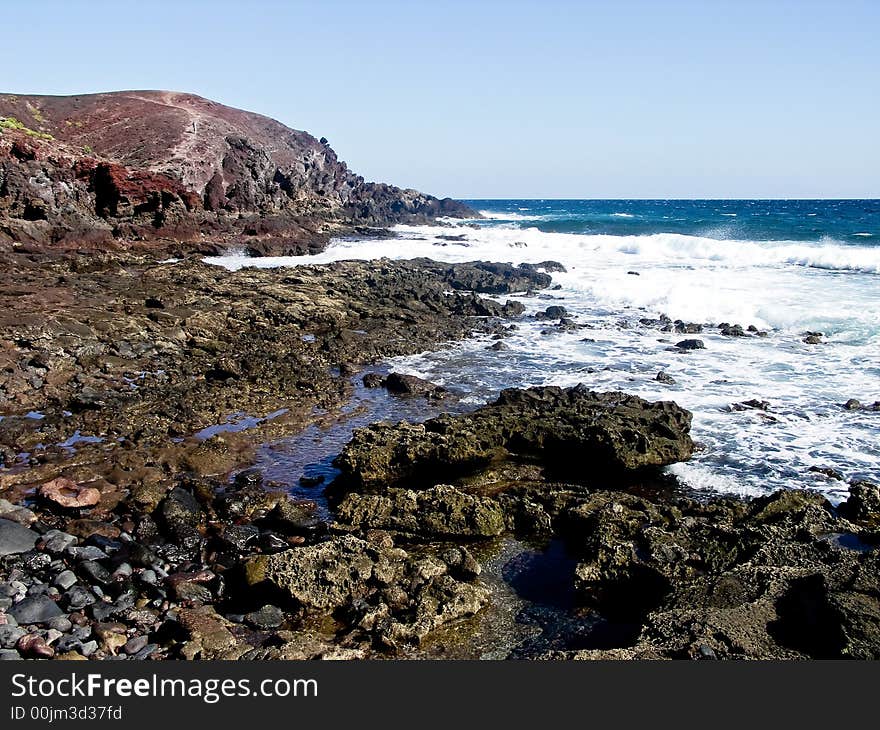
(13, 123)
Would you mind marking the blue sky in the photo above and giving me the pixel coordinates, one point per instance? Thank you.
(507, 99)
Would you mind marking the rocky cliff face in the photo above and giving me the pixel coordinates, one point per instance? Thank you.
(169, 171)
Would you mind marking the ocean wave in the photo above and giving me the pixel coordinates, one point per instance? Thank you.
(496, 215)
(622, 215)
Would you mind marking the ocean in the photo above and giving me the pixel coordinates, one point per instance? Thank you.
(783, 268)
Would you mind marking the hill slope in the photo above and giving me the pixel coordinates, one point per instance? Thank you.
(156, 168)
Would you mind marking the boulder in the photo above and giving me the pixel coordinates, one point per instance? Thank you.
(573, 431)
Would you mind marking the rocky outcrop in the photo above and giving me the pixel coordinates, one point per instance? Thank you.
(441, 511)
(393, 597)
(572, 431)
(153, 169)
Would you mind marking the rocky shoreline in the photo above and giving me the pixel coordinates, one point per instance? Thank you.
(129, 532)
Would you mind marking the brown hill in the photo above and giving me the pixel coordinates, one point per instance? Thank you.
(171, 171)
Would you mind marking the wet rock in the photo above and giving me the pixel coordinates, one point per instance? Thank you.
(863, 503)
(813, 338)
(733, 330)
(438, 511)
(666, 379)
(35, 610)
(240, 536)
(400, 384)
(852, 405)
(607, 432)
(268, 617)
(67, 493)
(373, 380)
(687, 328)
(552, 312)
(826, 471)
(16, 538)
(691, 345)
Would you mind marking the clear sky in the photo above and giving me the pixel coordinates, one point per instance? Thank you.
(547, 98)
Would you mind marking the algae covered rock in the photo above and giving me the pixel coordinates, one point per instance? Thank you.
(438, 511)
(574, 431)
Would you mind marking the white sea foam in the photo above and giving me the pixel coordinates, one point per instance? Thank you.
(622, 215)
(783, 287)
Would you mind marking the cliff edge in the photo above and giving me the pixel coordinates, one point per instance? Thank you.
(167, 171)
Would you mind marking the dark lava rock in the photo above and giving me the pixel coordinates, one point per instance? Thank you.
(734, 330)
(182, 515)
(687, 328)
(16, 538)
(691, 345)
(35, 610)
(863, 504)
(852, 405)
(663, 377)
(498, 346)
(572, 430)
(240, 536)
(400, 384)
(552, 312)
(373, 380)
(268, 617)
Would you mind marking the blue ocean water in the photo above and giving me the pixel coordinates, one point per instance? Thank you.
(853, 221)
(782, 269)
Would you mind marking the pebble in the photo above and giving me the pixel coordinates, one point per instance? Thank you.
(135, 644)
(145, 652)
(67, 643)
(124, 570)
(9, 636)
(16, 538)
(149, 577)
(89, 648)
(95, 572)
(62, 624)
(56, 541)
(9, 655)
(65, 579)
(35, 610)
(79, 597)
(88, 552)
(35, 645)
